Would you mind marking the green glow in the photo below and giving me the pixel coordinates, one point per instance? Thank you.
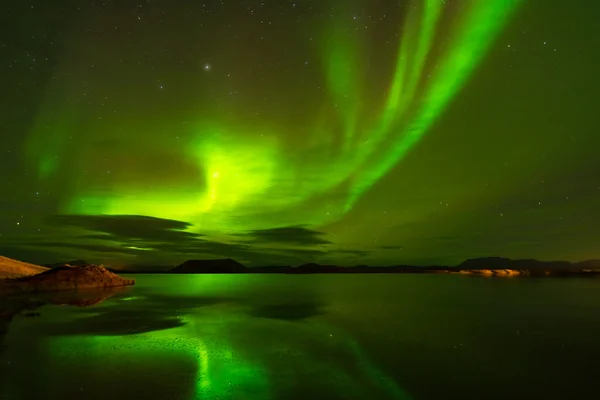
(473, 36)
(218, 351)
(245, 173)
(342, 73)
(138, 248)
(224, 369)
(217, 373)
(398, 98)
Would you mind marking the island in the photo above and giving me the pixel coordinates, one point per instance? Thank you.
(26, 279)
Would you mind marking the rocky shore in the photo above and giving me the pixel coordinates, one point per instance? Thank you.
(65, 278)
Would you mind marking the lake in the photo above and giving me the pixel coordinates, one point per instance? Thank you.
(311, 337)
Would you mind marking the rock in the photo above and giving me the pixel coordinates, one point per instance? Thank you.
(66, 278)
(494, 263)
(509, 273)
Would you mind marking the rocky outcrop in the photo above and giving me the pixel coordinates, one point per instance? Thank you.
(507, 273)
(66, 278)
(505, 267)
(496, 263)
(511, 273)
(10, 268)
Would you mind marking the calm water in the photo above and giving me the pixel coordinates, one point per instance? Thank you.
(312, 337)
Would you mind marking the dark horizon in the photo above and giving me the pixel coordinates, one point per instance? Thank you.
(473, 263)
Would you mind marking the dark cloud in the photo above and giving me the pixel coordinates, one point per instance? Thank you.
(144, 240)
(201, 246)
(127, 227)
(93, 247)
(296, 235)
(301, 252)
(390, 247)
(239, 251)
(358, 253)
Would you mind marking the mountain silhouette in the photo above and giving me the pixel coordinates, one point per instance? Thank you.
(219, 266)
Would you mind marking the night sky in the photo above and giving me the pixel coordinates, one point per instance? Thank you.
(282, 132)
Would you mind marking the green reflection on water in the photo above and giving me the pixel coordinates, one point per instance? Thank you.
(197, 347)
(221, 371)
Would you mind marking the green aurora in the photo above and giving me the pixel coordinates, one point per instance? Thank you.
(350, 132)
(239, 179)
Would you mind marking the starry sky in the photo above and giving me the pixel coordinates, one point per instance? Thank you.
(279, 132)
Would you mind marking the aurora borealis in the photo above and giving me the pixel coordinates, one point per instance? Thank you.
(278, 132)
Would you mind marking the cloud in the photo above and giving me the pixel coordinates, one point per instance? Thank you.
(154, 241)
(390, 247)
(147, 236)
(293, 235)
(127, 227)
(93, 247)
(358, 253)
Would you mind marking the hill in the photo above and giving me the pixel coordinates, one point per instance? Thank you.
(219, 266)
(10, 268)
(487, 266)
(506, 263)
(65, 278)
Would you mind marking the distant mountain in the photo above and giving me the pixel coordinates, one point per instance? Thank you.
(220, 266)
(475, 266)
(312, 268)
(270, 269)
(506, 263)
(588, 264)
(10, 268)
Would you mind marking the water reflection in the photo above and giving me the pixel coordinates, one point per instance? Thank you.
(25, 304)
(281, 337)
(288, 312)
(136, 342)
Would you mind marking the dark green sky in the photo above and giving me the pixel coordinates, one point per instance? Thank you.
(282, 132)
